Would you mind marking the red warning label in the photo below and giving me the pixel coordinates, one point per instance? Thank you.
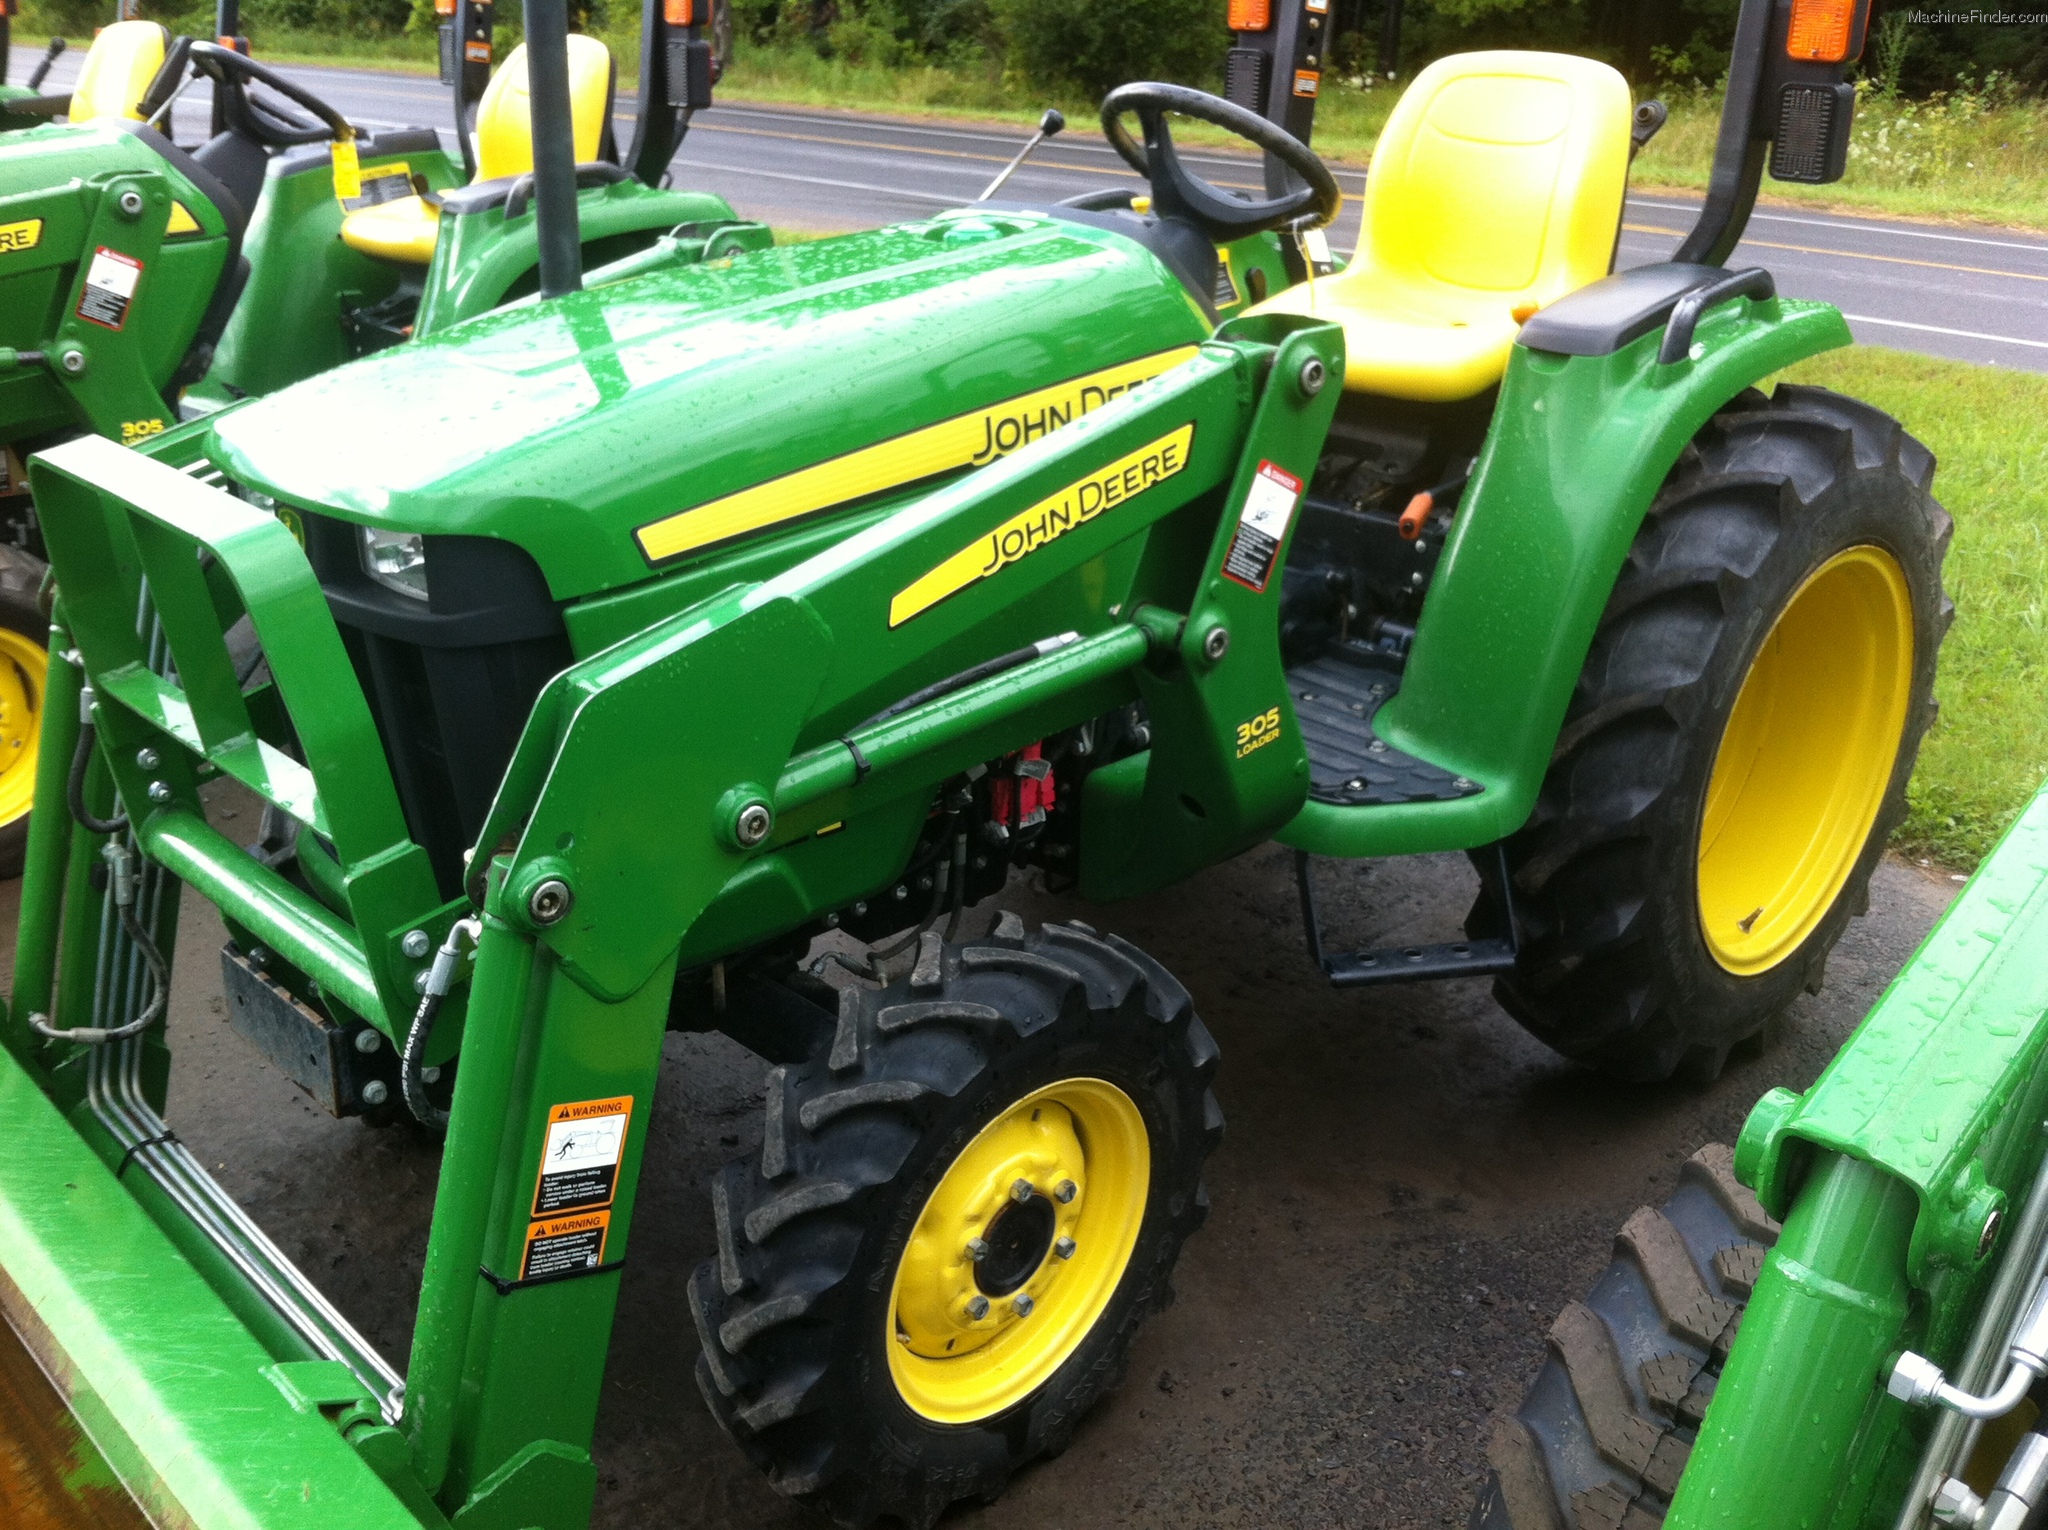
(1262, 528)
(109, 288)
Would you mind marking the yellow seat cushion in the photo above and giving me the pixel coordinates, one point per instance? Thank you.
(1495, 189)
(118, 67)
(405, 229)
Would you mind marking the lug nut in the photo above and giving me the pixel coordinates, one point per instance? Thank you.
(550, 902)
(1024, 1304)
(417, 943)
(1064, 1248)
(368, 1040)
(1066, 1192)
(977, 1249)
(159, 791)
(1022, 1191)
(376, 1092)
(753, 824)
(1216, 643)
(977, 1307)
(147, 759)
(1313, 374)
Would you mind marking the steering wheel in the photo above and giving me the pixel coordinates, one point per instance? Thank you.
(233, 73)
(1221, 215)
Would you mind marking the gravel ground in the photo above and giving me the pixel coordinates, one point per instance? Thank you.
(1409, 1189)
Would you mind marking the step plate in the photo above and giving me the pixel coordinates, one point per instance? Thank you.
(1335, 699)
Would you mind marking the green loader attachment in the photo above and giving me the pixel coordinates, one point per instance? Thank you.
(696, 643)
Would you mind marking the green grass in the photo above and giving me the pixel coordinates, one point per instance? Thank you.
(1989, 751)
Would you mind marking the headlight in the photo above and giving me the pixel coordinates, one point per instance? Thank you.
(397, 560)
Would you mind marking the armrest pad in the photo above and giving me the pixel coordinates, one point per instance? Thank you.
(1599, 320)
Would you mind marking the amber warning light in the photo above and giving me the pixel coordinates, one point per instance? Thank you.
(1250, 15)
(678, 13)
(1821, 30)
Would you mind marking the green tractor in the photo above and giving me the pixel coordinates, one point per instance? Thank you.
(697, 645)
(1844, 1322)
(142, 283)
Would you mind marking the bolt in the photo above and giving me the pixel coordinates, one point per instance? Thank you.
(860, 910)
(1022, 1191)
(1955, 1504)
(430, 1075)
(900, 893)
(753, 824)
(1024, 1304)
(417, 943)
(367, 1040)
(1064, 1248)
(72, 361)
(550, 902)
(832, 920)
(902, 1337)
(977, 1249)
(977, 1307)
(160, 791)
(1989, 1235)
(147, 759)
(1415, 580)
(1216, 643)
(376, 1092)
(130, 203)
(259, 957)
(1313, 376)
(1066, 1192)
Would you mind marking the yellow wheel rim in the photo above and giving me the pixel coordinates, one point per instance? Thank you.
(1803, 766)
(23, 667)
(1018, 1251)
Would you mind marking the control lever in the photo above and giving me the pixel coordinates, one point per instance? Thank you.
(1048, 126)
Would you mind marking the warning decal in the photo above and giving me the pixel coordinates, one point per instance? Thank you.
(1268, 507)
(109, 288)
(565, 1244)
(579, 1164)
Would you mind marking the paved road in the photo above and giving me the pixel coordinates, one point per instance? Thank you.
(1979, 295)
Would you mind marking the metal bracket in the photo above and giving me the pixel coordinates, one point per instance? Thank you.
(1410, 964)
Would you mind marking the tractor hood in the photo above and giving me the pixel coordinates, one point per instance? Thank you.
(641, 423)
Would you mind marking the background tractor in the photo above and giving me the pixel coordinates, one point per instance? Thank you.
(1875, 1357)
(704, 606)
(142, 283)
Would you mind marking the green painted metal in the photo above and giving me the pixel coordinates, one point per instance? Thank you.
(164, 1378)
(1885, 1171)
(1577, 450)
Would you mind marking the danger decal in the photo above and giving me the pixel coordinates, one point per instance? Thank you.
(579, 1162)
(109, 288)
(1045, 522)
(1262, 528)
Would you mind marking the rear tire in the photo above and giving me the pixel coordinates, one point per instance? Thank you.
(1607, 1426)
(24, 664)
(1794, 540)
(846, 1276)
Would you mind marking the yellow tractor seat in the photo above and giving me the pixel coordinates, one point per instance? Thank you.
(404, 229)
(1495, 189)
(118, 67)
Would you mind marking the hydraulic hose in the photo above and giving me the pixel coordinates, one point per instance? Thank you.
(74, 783)
(440, 978)
(121, 862)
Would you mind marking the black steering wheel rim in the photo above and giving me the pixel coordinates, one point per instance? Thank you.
(236, 71)
(1176, 192)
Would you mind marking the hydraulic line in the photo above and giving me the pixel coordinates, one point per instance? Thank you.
(440, 978)
(81, 761)
(120, 860)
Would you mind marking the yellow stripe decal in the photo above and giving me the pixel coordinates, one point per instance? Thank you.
(182, 221)
(966, 440)
(1048, 520)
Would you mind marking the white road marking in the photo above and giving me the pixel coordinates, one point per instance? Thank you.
(1936, 329)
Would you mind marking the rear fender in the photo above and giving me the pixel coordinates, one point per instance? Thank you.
(1578, 449)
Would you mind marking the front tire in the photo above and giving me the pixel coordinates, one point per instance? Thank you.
(1736, 753)
(959, 1218)
(24, 666)
(1605, 1431)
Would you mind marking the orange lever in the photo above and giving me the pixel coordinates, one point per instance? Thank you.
(1416, 513)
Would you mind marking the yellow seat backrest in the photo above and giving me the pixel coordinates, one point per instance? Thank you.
(504, 118)
(1499, 173)
(118, 67)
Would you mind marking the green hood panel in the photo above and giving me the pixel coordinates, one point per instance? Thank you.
(568, 426)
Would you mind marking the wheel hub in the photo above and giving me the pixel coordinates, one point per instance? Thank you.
(1019, 1249)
